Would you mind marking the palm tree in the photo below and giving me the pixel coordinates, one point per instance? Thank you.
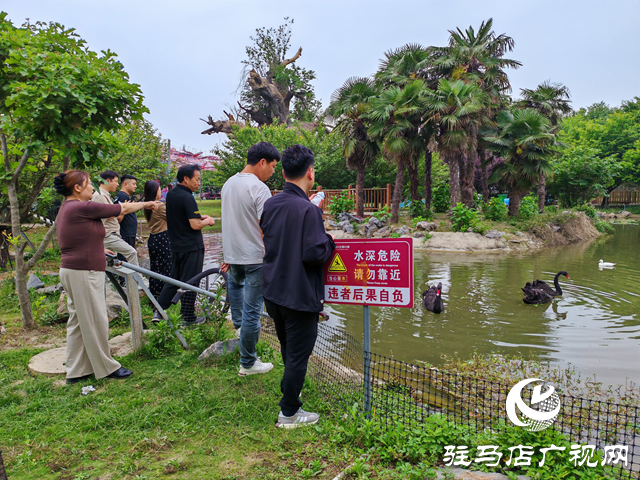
(551, 100)
(475, 57)
(348, 106)
(395, 117)
(455, 107)
(526, 140)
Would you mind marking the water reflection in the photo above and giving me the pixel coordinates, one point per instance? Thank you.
(594, 325)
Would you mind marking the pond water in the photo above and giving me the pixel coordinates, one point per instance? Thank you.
(595, 325)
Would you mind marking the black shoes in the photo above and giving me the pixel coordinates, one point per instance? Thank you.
(71, 381)
(121, 374)
(197, 321)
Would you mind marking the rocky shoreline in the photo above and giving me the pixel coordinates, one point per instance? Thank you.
(427, 238)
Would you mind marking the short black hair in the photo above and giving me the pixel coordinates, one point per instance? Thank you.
(109, 175)
(296, 160)
(187, 171)
(262, 150)
(128, 177)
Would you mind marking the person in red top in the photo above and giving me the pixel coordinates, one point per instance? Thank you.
(80, 235)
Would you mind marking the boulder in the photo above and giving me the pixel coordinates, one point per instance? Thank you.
(220, 348)
(370, 229)
(494, 234)
(62, 311)
(344, 223)
(402, 230)
(51, 289)
(34, 282)
(426, 226)
(348, 217)
(362, 229)
(419, 234)
(348, 228)
(376, 222)
(328, 226)
(382, 233)
(115, 304)
(520, 234)
(623, 214)
(605, 215)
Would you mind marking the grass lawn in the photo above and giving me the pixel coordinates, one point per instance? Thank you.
(174, 417)
(213, 208)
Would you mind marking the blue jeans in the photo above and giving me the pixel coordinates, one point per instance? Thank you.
(245, 297)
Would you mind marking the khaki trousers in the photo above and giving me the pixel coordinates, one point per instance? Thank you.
(114, 242)
(88, 326)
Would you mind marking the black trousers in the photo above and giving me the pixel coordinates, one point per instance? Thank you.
(297, 332)
(185, 266)
(160, 259)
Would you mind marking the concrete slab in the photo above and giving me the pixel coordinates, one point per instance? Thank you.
(52, 362)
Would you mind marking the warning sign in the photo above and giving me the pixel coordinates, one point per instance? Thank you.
(376, 272)
(337, 265)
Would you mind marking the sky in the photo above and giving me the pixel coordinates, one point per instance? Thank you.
(186, 54)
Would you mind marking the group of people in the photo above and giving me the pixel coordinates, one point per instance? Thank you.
(274, 250)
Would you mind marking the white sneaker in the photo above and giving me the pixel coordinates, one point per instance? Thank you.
(299, 419)
(256, 368)
(238, 332)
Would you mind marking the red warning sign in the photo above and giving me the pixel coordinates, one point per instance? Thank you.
(376, 272)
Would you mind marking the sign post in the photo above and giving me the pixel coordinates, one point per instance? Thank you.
(370, 272)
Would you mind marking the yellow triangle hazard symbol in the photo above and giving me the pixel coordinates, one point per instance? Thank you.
(337, 265)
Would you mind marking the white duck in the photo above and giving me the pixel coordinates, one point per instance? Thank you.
(601, 264)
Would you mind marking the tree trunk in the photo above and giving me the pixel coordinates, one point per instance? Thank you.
(360, 190)
(515, 198)
(414, 184)
(469, 176)
(397, 193)
(542, 193)
(21, 272)
(485, 177)
(454, 179)
(427, 179)
(3, 472)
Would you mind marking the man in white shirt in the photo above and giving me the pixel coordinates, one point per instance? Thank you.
(243, 198)
(112, 240)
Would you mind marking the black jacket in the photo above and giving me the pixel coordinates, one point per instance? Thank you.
(296, 248)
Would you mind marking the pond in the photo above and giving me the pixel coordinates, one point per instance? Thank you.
(595, 325)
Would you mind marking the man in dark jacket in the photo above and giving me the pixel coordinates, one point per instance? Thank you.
(296, 248)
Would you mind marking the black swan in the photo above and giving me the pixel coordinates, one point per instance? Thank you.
(535, 296)
(540, 285)
(432, 299)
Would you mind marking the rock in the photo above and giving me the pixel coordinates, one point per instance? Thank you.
(402, 230)
(419, 234)
(463, 242)
(456, 473)
(348, 228)
(605, 215)
(517, 240)
(362, 229)
(52, 275)
(220, 348)
(520, 234)
(51, 289)
(115, 304)
(494, 234)
(470, 230)
(376, 222)
(328, 226)
(34, 282)
(623, 214)
(426, 226)
(2, 330)
(343, 223)
(62, 311)
(348, 217)
(555, 228)
(370, 229)
(383, 232)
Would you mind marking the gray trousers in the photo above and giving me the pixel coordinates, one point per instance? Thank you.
(88, 326)
(115, 243)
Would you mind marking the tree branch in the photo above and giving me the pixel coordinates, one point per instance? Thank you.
(41, 249)
(5, 152)
(21, 165)
(292, 59)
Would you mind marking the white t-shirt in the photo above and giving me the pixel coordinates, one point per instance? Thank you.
(243, 198)
(318, 198)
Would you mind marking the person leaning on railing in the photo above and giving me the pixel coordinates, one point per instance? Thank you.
(81, 238)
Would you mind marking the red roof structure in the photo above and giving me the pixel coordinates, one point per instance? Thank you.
(206, 162)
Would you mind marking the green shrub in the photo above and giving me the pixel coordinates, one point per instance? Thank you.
(478, 201)
(588, 210)
(551, 209)
(441, 198)
(383, 214)
(463, 218)
(418, 209)
(603, 227)
(496, 210)
(528, 207)
(340, 204)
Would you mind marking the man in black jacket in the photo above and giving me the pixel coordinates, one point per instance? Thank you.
(296, 248)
